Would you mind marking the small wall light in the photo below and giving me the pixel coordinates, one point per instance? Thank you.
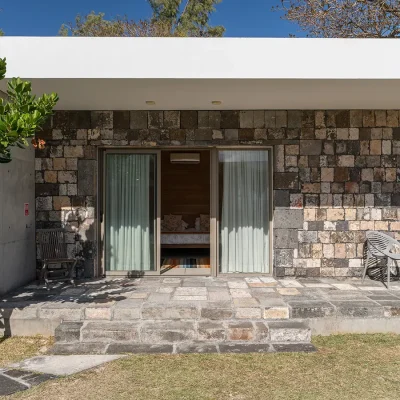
(150, 102)
(216, 102)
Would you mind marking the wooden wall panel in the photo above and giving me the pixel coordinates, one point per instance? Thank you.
(185, 188)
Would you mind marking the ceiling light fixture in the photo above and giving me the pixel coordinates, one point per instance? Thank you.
(216, 102)
(150, 102)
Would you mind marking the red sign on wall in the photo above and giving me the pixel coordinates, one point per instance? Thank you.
(26, 209)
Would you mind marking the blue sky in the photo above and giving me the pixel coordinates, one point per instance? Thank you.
(241, 18)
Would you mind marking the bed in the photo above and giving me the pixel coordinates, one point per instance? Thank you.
(185, 239)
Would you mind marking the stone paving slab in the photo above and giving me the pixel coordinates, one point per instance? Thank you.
(14, 380)
(62, 365)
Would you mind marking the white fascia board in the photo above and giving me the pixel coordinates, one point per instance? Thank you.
(200, 58)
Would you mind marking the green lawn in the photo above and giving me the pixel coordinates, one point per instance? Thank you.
(346, 367)
(17, 348)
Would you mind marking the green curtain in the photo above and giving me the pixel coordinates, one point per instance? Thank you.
(129, 229)
(244, 228)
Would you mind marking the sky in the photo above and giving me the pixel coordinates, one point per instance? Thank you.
(241, 18)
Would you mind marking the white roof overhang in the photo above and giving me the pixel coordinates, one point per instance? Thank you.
(189, 73)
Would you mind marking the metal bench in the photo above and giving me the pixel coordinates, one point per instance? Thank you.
(52, 249)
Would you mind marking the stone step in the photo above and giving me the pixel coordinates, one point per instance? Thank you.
(176, 336)
(61, 348)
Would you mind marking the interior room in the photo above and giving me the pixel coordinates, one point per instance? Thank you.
(185, 211)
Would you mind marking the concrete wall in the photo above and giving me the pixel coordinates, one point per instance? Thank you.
(17, 231)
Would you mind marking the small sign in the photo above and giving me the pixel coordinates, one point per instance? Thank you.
(26, 209)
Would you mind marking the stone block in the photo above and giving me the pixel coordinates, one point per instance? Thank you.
(120, 331)
(203, 134)
(167, 331)
(244, 348)
(230, 119)
(276, 313)
(289, 331)
(232, 134)
(214, 331)
(242, 331)
(98, 312)
(285, 238)
(286, 180)
(189, 119)
(311, 309)
(281, 198)
(343, 119)
(283, 258)
(61, 203)
(87, 177)
(78, 348)
(126, 348)
(214, 119)
(126, 314)
(173, 311)
(73, 151)
(259, 119)
(121, 119)
(102, 119)
(288, 218)
(358, 309)
(356, 118)
(310, 147)
(155, 119)
(368, 118)
(171, 119)
(281, 119)
(68, 332)
(248, 313)
(246, 119)
(246, 134)
(294, 119)
(67, 177)
(196, 348)
(138, 120)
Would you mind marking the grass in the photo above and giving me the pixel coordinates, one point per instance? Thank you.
(345, 367)
(17, 348)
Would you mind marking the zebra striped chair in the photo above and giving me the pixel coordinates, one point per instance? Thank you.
(380, 245)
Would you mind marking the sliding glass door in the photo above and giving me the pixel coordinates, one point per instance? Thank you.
(244, 211)
(130, 212)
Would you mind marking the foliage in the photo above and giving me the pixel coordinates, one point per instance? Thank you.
(21, 115)
(344, 18)
(169, 18)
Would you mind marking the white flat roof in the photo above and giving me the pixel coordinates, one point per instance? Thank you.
(189, 73)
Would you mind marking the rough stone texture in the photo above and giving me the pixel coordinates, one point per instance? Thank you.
(335, 175)
(289, 332)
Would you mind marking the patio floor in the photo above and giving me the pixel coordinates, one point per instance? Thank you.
(33, 309)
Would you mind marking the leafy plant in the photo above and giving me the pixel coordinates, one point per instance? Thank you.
(21, 114)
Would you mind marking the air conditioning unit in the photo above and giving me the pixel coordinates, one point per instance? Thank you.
(185, 158)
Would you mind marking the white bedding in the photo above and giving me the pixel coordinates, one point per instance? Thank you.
(185, 238)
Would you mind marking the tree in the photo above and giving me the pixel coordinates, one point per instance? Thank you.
(344, 18)
(169, 18)
(21, 115)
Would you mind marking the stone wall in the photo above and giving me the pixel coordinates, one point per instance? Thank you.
(335, 175)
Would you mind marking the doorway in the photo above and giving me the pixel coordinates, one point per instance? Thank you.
(186, 212)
